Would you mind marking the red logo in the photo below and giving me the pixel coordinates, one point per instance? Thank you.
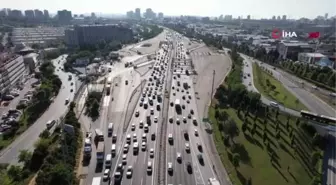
(314, 35)
(276, 34)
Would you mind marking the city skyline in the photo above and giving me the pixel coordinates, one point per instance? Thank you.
(213, 8)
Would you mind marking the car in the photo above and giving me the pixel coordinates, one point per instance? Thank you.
(129, 171)
(171, 104)
(151, 153)
(149, 167)
(171, 120)
(183, 97)
(143, 146)
(153, 136)
(137, 113)
(196, 132)
(126, 146)
(124, 159)
(170, 167)
(178, 157)
(71, 90)
(189, 167)
(188, 101)
(200, 159)
(187, 147)
(178, 121)
(191, 111)
(117, 176)
(183, 106)
(189, 116)
(194, 121)
(199, 146)
(189, 97)
(134, 137)
(133, 127)
(184, 120)
(170, 137)
(249, 84)
(128, 138)
(140, 104)
(141, 124)
(106, 175)
(155, 119)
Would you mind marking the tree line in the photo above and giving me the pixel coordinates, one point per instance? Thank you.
(149, 31)
(53, 159)
(92, 104)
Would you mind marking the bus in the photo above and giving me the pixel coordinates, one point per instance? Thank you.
(318, 118)
(213, 181)
(96, 180)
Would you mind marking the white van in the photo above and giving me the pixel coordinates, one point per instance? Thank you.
(110, 129)
(108, 160)
(113, 149)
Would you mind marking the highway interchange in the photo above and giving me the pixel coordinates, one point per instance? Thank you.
(114, 107)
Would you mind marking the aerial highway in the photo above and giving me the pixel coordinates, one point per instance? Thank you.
(57, 109)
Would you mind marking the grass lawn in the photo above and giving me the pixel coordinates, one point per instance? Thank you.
(255, 160)
(279, 94)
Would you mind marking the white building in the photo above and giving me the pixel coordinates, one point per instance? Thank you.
(310, 58)
(12, 71)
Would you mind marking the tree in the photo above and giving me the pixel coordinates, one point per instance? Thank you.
(230, 128)
(44, 134)
(315, 157)
(25, 157)
(60, 174)
(235, 160)
(216, 114)
(94, 111)
(297, 122)
(14, 172)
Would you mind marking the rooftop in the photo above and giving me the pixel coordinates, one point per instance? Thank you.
(6, 57)
(317, 55)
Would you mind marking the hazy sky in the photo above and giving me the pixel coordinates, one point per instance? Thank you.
(256, 8)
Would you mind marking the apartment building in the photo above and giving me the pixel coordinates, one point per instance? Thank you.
(92, 34)
(12, 71)
(38, 35)
(292, 47)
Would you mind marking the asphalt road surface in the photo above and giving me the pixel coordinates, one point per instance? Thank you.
(139, 160)
(58, 108)
(248, 82)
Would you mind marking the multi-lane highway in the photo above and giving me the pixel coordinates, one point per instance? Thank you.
(56, 109)
(186, 157)
(143, 130)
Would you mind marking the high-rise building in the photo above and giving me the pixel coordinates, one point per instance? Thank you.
(220, 17)
(38, 14)
(46, 14)
(248, 17)
(3, 13)
(278, 18)
(137, 13)
(29, 14)
(92, 34)
(273, 18)
(93, 15)
(284, 17)
(326, 16)
(64, 16)
(160, 15)
(17, 14)
(130, 14)
(149, 14)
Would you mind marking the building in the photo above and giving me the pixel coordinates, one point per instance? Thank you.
(284, 17)
(29, 14)
(38, 14)
(285, 48)
(310, 58)
(130, 14)
(16, 14)
(273, 17)
(38, 35)
(64, 16)
(12, 71)
(278, 18)
(93, 15)
(149, 14)
(92, 34)
(138, 13)
(248, 17)
(160, 15)
(46, 14)
(31, 61)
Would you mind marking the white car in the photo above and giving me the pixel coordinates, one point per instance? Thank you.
(170, 137)
(196, 132)
(187, 147)
(129, 171)
(133, 127)
(106, 175)
(134, 138)
(143, 146)
(178, 156)
(170, 167)
(126, 146)
(124, 159)
(151, 153)
(155, 119)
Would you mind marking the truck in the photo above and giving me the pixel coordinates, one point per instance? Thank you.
(108, 89)
(178, 106)
(185, 85)
(100, 152)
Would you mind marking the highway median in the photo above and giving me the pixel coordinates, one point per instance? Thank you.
(271, 88)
